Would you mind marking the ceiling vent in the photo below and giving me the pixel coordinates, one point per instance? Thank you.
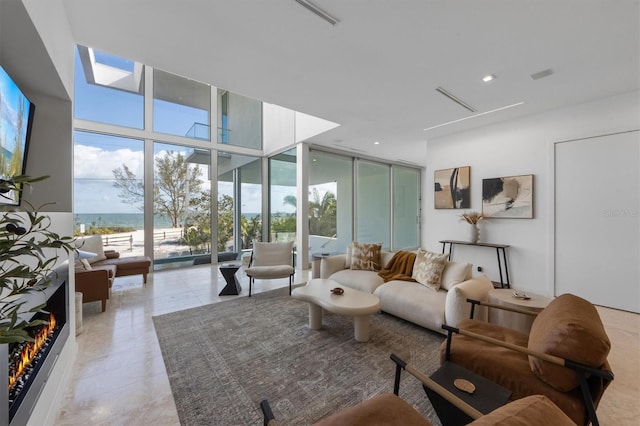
(542, 74)
(455, 99)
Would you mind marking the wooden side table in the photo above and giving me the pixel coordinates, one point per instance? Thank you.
(514, 320)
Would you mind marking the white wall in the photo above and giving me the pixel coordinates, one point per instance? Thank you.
(522, 146)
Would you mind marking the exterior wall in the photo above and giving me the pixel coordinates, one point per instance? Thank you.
(516, 147)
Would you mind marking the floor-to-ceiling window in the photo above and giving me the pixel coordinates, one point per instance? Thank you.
(239, 202)
(181, 206)
(330, 202)
(113, 129)
(282, 197)
(108, 190)
(406, 207)
(373, 198)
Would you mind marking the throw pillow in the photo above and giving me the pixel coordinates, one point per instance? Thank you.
(86, 264)
(365, 256)
(92, 244)
(454, 273)
(428, 267)
(79, 266)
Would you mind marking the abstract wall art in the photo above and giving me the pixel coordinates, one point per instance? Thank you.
(452, 188)
(508, 197)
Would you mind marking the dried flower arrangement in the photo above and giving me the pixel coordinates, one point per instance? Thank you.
(472, 217)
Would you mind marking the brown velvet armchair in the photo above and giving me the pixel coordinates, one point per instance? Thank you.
(564, 357)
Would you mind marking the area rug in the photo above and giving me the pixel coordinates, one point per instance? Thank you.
(223, 359)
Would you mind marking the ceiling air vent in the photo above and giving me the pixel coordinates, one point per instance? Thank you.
(455, 99)
(542, 74)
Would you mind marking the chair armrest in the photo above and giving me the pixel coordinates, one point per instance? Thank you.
(95, 281)
(456, 306)
(332, 264)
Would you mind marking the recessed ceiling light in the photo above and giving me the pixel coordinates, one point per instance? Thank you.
(376, 143)
(314, 159)
(488, 78)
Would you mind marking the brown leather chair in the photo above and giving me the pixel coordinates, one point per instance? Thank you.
(94, 282)
(564, 357)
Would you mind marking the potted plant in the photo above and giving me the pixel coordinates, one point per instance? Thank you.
(28, 253)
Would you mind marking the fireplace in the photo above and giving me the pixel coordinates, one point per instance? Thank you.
(25, 367)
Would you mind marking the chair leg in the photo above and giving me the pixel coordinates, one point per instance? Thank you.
(250, 282)
(290, 282)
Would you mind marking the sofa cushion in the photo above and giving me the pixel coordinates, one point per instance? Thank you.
(535, 410)
(365, 256)
(357, 279)
(570, 328)
(413, 302)
(454, 273)
(428, 267)
(93, 244)
(82, 265)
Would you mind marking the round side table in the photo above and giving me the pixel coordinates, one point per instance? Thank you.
(514, 320)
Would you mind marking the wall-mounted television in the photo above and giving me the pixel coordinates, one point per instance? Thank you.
(16, 119)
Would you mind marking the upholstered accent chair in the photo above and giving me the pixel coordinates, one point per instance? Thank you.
(270, 261)
(564, 357)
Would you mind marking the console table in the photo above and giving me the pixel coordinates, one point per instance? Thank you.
(500, 251)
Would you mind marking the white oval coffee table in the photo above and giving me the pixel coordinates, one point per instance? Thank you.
(354, 303)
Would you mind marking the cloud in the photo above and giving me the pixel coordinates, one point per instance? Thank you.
(91, 162)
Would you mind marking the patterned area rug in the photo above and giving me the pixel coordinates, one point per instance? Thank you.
(223, 359)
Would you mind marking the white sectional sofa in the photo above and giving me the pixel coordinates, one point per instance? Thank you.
(412, 301)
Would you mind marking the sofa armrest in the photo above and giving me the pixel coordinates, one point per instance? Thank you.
(332, 264)
(456, 306)
(111, 254)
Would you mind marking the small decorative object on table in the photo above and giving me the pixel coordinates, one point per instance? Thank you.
(464, 386)
(522, 296)
(472, 218)
(337, 291)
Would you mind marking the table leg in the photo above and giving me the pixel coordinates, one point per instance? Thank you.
(361, 328)
(315, 317)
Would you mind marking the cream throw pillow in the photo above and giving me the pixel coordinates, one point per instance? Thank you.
(454, 273)
(365, 256)
(428, 267)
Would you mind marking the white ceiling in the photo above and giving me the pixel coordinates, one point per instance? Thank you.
(375, 72)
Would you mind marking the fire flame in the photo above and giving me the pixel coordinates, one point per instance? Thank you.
(31, 349)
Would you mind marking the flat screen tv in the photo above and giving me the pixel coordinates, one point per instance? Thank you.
(16, 118)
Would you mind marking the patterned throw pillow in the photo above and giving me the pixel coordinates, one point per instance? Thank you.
(428, 267)
(365, 256)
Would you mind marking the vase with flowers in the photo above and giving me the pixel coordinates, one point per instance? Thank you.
(473, 218)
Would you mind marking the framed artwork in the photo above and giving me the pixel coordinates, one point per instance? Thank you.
(452, 188)
(508, 197)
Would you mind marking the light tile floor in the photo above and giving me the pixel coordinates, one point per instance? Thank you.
(120, 378)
